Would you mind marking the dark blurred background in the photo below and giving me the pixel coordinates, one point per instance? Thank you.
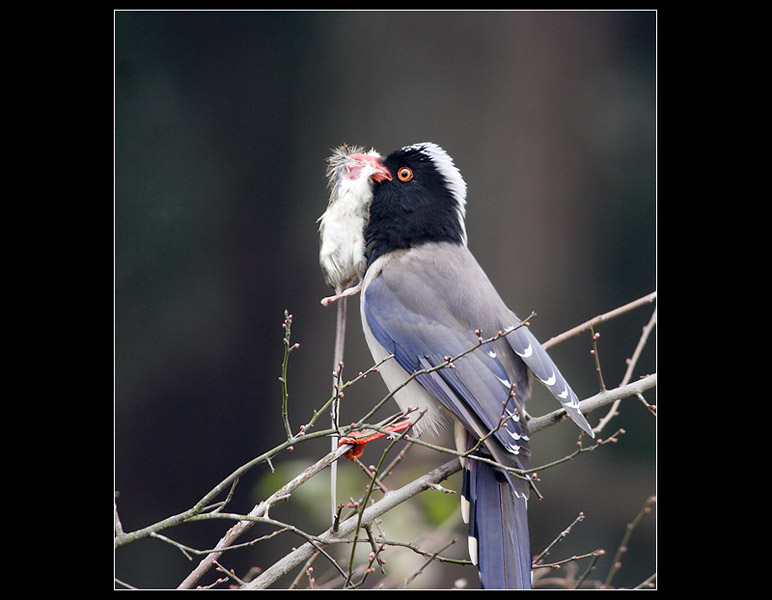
(223, 122)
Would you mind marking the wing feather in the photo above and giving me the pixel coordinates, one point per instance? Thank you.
(528, 348)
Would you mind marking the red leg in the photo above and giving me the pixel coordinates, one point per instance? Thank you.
(359, 439)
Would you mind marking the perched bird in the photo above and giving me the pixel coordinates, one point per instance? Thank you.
(350, 175)
(425, 299)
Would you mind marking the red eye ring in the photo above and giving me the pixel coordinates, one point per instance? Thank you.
(405, 173)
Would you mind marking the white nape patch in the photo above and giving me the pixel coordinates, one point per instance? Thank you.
(456, 184)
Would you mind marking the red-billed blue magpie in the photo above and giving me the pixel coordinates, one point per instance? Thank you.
(425, 298)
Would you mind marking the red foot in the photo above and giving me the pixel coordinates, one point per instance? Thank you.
(358, 439)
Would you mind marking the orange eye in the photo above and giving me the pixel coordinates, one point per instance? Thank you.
(405, 174)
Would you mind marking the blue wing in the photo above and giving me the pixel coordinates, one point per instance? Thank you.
(414, 320)
(533, 354)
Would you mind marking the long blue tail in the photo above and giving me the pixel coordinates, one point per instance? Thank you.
(498, 526)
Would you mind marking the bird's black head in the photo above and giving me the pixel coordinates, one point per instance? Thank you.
(423, 201)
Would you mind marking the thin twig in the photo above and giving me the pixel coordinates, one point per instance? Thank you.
(631, 364)
(562, 535)
(595, 556)
(617, 562)
(595, 356)
(574, 331)
(430, 559)
(612, 439)
(417, 550)
(284, 390)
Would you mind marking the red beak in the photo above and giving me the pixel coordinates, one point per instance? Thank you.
(381, 172)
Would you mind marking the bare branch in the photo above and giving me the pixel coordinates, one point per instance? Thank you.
(648, 299)
(594, 402)
(347, 527)
(341, 532)
(631, 363)
(258, 511)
